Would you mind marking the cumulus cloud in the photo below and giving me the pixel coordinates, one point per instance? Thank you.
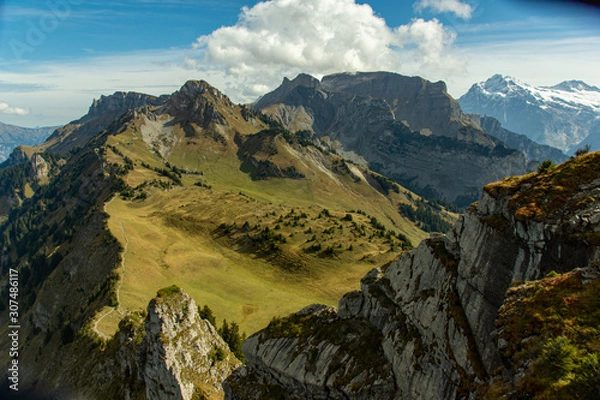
(284, 37)
(457, 7)
(5, 108)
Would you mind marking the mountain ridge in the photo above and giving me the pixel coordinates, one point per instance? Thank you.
(216, 198)
(533, 151)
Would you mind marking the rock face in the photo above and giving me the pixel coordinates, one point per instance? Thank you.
(183, 355)
(333, 357)
(532, 150)
(430, 316)
(172, 353)
(40, 166)
(404, 127)
(561, 116)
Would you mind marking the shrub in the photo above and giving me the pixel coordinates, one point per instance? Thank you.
(545, 166)
(586, 383)
(557, 358)
(168, 291)
(315, 247)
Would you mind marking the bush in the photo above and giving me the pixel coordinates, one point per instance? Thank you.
(545, 166)
(315, 247)
(168, 291)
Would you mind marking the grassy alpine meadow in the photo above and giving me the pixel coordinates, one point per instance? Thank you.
(249, 249)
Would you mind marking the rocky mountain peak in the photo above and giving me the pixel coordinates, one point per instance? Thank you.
(193, 89)
(575, 85)
(197, 101)
(298, 89)
(302, 80)
(386, 117)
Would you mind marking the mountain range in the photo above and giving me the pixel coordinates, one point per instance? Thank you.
(406, 128)
(565, 116)
(192, 190)
(12, 136)
(131, 229)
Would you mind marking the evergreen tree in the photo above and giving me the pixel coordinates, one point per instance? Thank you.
(207, 314)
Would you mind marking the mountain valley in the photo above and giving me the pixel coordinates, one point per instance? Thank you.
(126, 222)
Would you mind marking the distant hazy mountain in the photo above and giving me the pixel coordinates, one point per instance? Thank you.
(533, 151)
(12, 136)
(561, 116)
(404, 127)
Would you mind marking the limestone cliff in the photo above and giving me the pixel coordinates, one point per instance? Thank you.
(429, 318)
(172, 354)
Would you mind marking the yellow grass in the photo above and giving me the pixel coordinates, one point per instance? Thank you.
(237, 286)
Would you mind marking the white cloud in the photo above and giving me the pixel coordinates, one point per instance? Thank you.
(5, 108)
(457, 7)
(284, 37)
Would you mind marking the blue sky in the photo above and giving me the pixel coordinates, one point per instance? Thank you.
(56, 56)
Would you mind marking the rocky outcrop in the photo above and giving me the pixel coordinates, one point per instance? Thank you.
(168, 352)
(182, 355)
(404, 127)
(39, 166)
(197, 102)
(432, 313)
(334, 358)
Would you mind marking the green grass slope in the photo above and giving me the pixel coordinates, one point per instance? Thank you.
(255, 222)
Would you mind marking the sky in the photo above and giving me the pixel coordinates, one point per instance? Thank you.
(56, 56)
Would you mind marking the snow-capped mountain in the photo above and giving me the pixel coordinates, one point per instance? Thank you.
(562, 116)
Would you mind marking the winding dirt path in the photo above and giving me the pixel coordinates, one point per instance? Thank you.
(122, 268)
